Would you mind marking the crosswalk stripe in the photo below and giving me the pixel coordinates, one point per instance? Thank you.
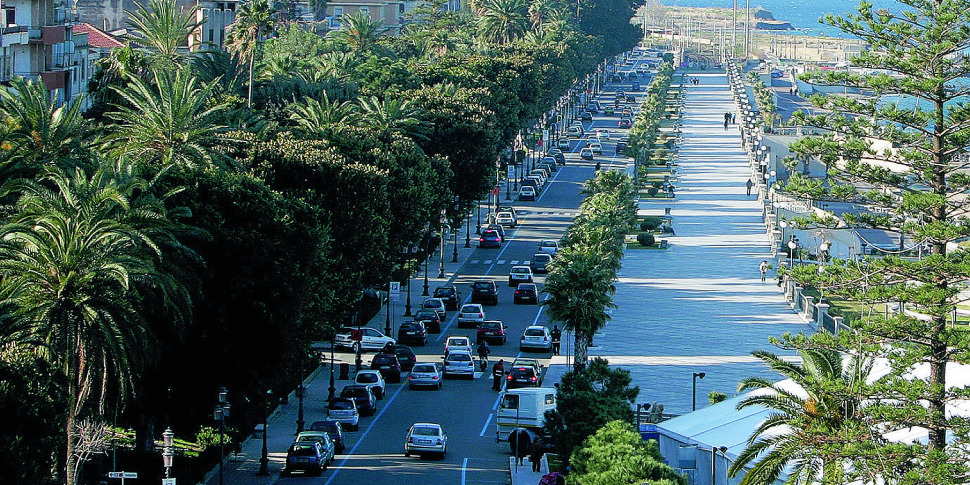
(501, 261)
(488, 261)
(474, 261)
(513, 263)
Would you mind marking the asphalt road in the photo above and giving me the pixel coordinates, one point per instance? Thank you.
(465, 408)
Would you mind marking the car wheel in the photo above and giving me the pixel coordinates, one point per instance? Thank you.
(355, 427)
(439, 385)
(407, 453)
(355, 348)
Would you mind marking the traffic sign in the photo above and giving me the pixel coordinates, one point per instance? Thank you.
(122, 474)
(395, 293)
(168, 481)
(494, 190)
(511, 173)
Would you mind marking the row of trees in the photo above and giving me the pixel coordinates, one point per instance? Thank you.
(214, 213)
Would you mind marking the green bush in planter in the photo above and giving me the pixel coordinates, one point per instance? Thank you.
(646, 239)
(652, 191)
(650, 223)
(657, 184)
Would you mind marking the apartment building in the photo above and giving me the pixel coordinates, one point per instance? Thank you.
(215, 17)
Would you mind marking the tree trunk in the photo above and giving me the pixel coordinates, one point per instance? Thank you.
(249, 99)
(580, 356)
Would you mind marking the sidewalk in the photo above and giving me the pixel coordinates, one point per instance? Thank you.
(699, 306)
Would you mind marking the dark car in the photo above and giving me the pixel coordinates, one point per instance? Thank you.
(624, 123)
(621, 146)
(412, 333)
(485, 291)
(388, 365)
(526, 293)
(430, 319)
(631, 98)
(450, 295)
(540, 262)
(305, 456)
(492, 331)
(522, 376)
(405, 356)
(363, 396)
(333, 429)
(497, 228)
(586, 116)
(490, 239)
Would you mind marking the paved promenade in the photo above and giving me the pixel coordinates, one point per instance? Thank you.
(700, 306)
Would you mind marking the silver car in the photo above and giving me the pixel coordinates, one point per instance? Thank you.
(536, 337)
(460, 363)
(344, 411)
(424, 374)
(426, 438)
(471, 313)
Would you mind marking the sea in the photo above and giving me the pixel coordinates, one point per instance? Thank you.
(803, 15)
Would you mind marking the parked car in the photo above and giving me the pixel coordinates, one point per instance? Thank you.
(388, 365)
(491, 331)
(631, 98)
(526, 293)
(549, 246)
(551, 162)
(620, 147)
(329, 448)
(563, 143)
(530, 183)
(437, 305)
(370, 339)
(541, 173)
(451, 295)
(510, 209)
(558, 155)
(459, 363)
(457, 343)
(405, 356)
(424, 374)
(307, 457)
(497, 228)
(596, 147)
(535, 337)
(520, 274)
(538, 181)
(363, 397)
(430, 319)
(522, 376)
(586, 154)
(372, 379)
(540, 262)
(505, 219)
(586, 116)
(576, 131)
(636, 86)
(527, 192)
(484, 291)
(425, 438)
(471, 314)
(413, 333)
(490, 239)
(334, 430)
(344, 411)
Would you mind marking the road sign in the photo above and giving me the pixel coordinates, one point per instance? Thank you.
(510, 172)
(122, 475)
(494, 190)
(168, 481)
(395, 293)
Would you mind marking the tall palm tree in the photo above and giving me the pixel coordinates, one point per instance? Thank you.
(316, 117)
(359, 33)
(167, 121)
(801, 425)
(393, 116)
(218, 66)
(77, 262)
(164, 26)
(253, 23)
(43, 133)
(503, 21)
(540, 11)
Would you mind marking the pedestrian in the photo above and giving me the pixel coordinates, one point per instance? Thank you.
(597, 166)
(749, 184)
(498, 373)
(764, 269)
(483, 352)
(734, 118)
(791, 91)
(556, 336)
(536, 456)
(522, 447)
(796, 90)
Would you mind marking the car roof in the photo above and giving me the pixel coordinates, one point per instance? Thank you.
(527, 285)
(426, 425)
(457, 336)
(535, 326)
(542, 256)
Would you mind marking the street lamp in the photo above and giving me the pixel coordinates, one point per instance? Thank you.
(220, 414)
(714, 450)
(264, 458)
(427, 254)
(791, 251)
(782, 224)
(168, 451)
(407, 274)
(300, 391)
(333, 389)
(478, 226)
(693, 400)
(468, 224)
(441, 250)
(454, 255)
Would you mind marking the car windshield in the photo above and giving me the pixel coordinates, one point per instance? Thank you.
(534, 332)
(520, 270)
(422, 314)
(523, 372)
(459, 357)
(328, 426)
(492, 326)
(470, 309)
(430, 369)
(483, 285)
(457, 341)
(303, 449)
(342, 405)
(432, 303)
(542, 257)
(404, 354)
(527, 287)
(425, 431)
(366, 377)
(489, 234)
(410, 327)
(353, 392)
(384, 359)
(444, 291)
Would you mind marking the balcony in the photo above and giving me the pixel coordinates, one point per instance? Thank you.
(14, 35)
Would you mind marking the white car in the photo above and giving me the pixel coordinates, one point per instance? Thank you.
(596, 147)
(549, 246)
(538, 172)
(436, 305)
(520, 274)
(563, 144)
(372, 379)
(370, 339)
(505, 219)
(602, 135)
(426, 438)
(527, 192)
(459, 363)
(471, 313)
(535, 337)
(457, 343)
(344, 411)
(586, 154)
(424, 374)
(574, 131)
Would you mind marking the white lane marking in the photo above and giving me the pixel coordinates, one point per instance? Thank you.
(485, 428)
(501, 261)
(514, 262)
(488, 261)
(364, 435)
(474, 261)
(464, 466)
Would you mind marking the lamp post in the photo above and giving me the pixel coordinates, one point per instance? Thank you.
(478, 226)
(300, 391)
(454, 255)
(693, 396)
(427, 254)
(220, 414)
(441, 250)
(783, 224)
(468, 223)
(407, 284)
(264, 458)
(791, 251)
(714, 450)
(333, 389)
(168, 451)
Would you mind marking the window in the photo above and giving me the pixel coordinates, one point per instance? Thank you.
(338, 11)
(212, 35)
(365, 11)
(510, 401)
(550, 398)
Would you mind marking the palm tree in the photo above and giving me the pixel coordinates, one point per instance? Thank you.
(393, 116)
(254, 22)
(164, 26)
(316, 117)
(218, 66)
(359, 33)
(503, 21)
(77, 263)
(802, 424)
(167, 121)
(540, 11)
(43, 133)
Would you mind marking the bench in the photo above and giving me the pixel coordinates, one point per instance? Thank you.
(664, 244)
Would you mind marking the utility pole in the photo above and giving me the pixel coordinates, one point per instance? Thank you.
(734, 31)
(747, 26)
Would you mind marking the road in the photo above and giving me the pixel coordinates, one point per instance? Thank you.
(465, 408)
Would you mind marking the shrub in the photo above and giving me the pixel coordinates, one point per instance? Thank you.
(657, 184)
(653, 191)
(646, 239)
(650, 223)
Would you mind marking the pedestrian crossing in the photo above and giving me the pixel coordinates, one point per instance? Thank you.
(520, 212)
(499, 262)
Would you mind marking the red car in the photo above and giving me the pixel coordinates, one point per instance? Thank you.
(491, 330)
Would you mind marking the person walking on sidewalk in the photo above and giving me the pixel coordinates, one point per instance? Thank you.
(498, 373)
(749, 184)
(556, 337)
(535, 456)
(764, 269)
